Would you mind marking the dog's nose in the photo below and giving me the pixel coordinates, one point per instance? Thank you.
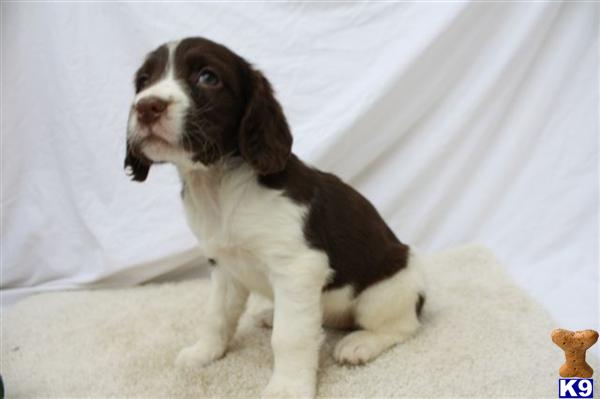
(150, 109)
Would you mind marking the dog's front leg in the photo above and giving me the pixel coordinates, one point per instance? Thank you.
(225, 306)
(297, 332)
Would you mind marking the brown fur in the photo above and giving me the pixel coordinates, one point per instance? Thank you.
(240, 118)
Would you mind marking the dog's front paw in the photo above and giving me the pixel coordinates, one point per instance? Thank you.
(286, 388)
(199, 355)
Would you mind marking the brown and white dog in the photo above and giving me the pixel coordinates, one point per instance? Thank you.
(269, 223)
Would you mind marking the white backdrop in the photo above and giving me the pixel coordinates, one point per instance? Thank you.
(460, 121)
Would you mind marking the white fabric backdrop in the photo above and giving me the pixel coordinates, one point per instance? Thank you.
(460, 121)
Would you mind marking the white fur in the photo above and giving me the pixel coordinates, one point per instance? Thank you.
(337, 309)
(226, 304)
(386, 312)
(170, 126)
(256, 236)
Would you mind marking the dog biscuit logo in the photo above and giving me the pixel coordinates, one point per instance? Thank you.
(577, 382)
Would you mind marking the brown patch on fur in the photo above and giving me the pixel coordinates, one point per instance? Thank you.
(265, 140)
(136, 165)
(240, 118)
(153, 68)
(362, 249)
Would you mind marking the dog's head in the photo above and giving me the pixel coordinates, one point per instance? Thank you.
(197, 102)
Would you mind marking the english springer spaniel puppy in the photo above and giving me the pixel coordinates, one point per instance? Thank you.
(269, 223)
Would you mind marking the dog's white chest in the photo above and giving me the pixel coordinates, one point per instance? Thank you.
(246, 228)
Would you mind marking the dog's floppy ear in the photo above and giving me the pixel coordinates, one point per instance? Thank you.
(265, 140)
(136, 166)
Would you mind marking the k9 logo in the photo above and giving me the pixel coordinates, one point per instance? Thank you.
(575, 388)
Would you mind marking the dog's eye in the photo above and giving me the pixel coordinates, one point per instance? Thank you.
(141, 81)
(208, 77)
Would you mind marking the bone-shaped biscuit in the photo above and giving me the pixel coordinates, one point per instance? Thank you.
(575, 344)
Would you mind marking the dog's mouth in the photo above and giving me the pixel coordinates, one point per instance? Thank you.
(153, 147)
(155, 139)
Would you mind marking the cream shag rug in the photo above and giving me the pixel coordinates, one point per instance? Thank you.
(482, 337)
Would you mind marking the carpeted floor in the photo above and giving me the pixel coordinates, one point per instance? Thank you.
(482, 337)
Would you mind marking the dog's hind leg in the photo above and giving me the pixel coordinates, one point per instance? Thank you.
(386, 314)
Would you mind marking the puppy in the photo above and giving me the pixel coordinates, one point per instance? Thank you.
(268, 223)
